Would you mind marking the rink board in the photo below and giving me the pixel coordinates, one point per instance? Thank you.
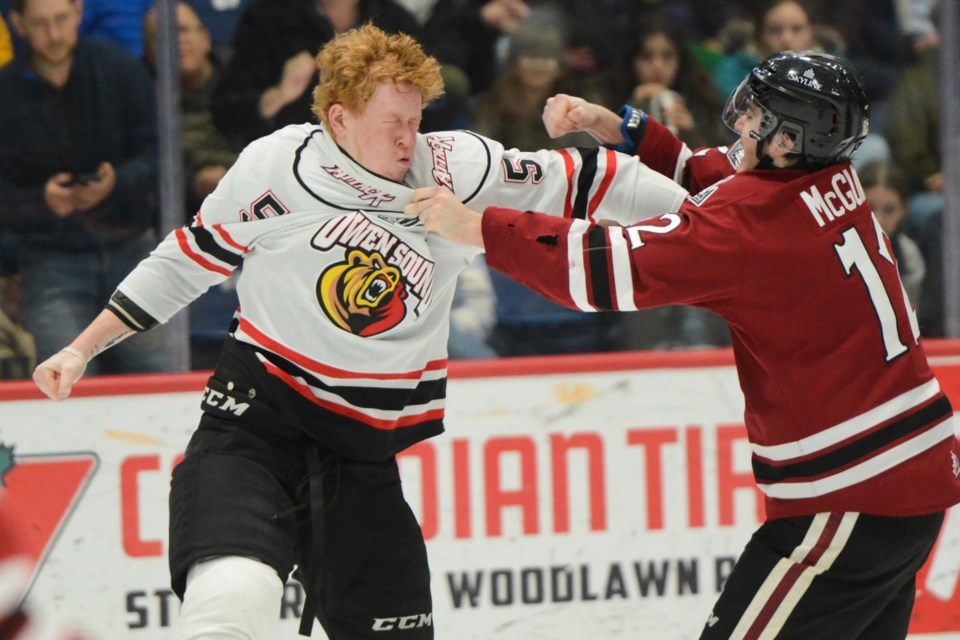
(571, 497)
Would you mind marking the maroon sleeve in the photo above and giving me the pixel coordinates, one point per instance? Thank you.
(688, 257)
(512, 236)
(660, 150)
(665, 153)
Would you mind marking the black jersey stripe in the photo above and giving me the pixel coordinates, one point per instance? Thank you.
(862, 448)
(130, 313)
(208, 244)
(598, 255)
(588, 171)
(382, 398)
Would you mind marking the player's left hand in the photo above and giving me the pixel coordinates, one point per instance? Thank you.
(442, 213)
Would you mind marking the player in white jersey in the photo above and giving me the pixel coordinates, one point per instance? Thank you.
(336, 359)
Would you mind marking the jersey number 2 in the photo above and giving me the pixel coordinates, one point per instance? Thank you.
(854, 255)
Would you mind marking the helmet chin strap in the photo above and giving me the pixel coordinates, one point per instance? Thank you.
(762, 161)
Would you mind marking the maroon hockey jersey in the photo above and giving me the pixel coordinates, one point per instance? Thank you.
(696, 170)
(842, 409)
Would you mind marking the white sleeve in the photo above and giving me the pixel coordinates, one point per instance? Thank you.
(194, 258)
(592, 184)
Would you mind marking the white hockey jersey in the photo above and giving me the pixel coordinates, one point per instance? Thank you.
(346, 299)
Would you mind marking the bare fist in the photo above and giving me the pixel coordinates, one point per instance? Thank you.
(563, 114)
(56, 375)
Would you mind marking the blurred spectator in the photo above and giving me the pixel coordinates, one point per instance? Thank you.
(617, 20)
(220, 18)
(577, 23)
(505, 16)
(929, 238)
(510, 111)
(871, 38)
(912, 127)
(463, 36)
(266, 85)
(473, 314)
(6, 8)
(6, 44)
(913, 123)
(117, 21)
(704, 19)
(528, 324)
(77, 176)
(18, 353)
(464, 33)
(660, 74)
(779, 25)
(918, 24)
(875, 148)
(886, 192)
(207, 153)
(496, 20)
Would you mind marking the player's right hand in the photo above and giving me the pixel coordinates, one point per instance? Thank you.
(56, 375)
(563, 114)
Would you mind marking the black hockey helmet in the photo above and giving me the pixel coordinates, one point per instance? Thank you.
(815, 99)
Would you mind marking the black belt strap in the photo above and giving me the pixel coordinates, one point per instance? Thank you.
(315, 474)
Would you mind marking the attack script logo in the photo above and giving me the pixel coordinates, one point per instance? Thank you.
(363, 295)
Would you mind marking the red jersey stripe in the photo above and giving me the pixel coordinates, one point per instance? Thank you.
(611, 162)
(568, 165)
(315, 366)
(386, 425)
(227, 238)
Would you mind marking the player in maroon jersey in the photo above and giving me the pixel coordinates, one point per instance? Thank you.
(852, 438)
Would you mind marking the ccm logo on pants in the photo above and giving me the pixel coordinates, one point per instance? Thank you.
(404, 622)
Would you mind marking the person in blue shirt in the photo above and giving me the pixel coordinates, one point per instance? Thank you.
(117, 21)
(78, 175)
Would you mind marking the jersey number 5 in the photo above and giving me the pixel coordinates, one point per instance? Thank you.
(854, 255)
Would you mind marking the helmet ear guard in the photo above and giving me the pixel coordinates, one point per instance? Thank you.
(814, 100)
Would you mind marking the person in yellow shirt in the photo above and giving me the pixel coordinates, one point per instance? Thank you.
(6, 44)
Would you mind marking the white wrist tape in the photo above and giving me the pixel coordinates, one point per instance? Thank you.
(75, 352)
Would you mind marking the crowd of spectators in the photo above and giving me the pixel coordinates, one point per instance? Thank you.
(78, 166)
